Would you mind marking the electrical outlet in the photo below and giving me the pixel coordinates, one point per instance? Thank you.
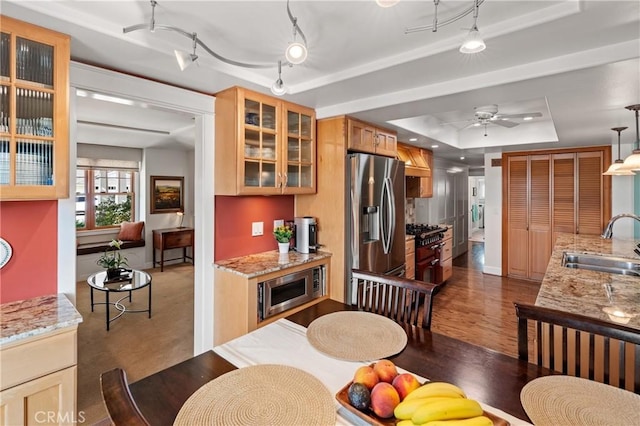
(257, 228)
(278, 222)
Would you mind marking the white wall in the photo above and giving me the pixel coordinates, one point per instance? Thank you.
(492, 216)
(166, 162)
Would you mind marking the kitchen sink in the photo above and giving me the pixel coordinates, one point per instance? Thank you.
(594, 262)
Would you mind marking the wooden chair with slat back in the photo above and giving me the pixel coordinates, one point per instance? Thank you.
(400, 299)
(580, 346)
(117, 398)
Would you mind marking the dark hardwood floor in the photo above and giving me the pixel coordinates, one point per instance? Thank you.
(472, 307)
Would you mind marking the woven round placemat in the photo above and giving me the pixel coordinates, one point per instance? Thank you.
(566, 400)
(356, 336)
(260, 395)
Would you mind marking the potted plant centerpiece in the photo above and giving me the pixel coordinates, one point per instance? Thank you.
(112, 260)
(283, 234)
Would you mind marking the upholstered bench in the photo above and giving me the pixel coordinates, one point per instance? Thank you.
(102, 246)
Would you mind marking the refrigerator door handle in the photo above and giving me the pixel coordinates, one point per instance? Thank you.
(392, 211)
(388, 215)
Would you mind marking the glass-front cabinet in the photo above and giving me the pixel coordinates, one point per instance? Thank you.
(34, 133)
(263, 145)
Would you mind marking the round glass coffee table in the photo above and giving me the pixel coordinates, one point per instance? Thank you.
(126, 283)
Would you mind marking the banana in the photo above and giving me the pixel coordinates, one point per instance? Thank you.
(473, 421)
(436, 389)
(405, 423)
(458, 408)
(406, 408)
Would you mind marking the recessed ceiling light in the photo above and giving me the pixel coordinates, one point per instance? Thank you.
(413, 139)
(528, 118)
(462, 158)
(434, 146)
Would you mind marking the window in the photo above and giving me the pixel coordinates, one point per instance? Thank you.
(104, 197)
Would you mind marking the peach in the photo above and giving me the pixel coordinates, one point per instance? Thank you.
(384, 399)
(404, 384)
(366, 376)
(386, 370)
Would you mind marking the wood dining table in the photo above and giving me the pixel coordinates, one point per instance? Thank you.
(486, 375)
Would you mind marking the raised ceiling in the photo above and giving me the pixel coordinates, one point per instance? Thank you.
(576, 62)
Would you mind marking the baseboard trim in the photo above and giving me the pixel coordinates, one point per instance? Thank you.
(492, 270)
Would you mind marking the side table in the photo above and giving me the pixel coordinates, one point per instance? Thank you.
(171, 238)
(132, 281)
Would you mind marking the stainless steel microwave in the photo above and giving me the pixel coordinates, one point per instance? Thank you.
(286, 292)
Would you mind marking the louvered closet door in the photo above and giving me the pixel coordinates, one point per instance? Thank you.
(539, 215)
(590, 193)
(564, 193)
(517, 205)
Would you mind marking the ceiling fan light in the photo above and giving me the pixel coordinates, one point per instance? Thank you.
(296, 53)
(184, 58)
(473, 43)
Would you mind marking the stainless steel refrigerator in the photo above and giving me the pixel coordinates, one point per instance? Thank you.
(376, 195)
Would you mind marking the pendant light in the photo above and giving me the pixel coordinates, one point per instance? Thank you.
(615, 168)
(632, 162)
(296, 52)
(278, 88)
(473, 43)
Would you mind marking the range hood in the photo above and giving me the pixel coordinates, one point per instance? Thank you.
(414, 162)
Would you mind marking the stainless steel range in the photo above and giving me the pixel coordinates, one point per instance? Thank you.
(429, 243)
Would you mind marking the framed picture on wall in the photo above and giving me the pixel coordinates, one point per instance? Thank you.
(167, 194)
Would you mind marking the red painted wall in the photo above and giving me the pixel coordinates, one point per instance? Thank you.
(233, 219)
(31, 228)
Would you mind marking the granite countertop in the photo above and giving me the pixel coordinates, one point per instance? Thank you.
(409, 237)
(31, 317)
(258, 264)
(584, 292)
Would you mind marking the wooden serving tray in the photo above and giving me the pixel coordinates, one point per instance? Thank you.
(370, 417)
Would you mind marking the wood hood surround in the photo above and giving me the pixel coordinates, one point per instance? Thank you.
(415, 163)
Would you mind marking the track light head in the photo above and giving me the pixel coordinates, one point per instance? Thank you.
(185, 58)
(473, 42)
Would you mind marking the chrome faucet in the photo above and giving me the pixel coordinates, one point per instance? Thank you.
(608, 232)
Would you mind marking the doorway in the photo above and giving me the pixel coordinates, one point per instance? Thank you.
(477, 205)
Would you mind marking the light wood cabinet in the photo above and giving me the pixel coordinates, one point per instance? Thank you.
(39, 379)
(264, 146)
(34, 112)
(236, 300)
(364, 137)
(418, 171)
(546, 193)
(410, 254)
(446, 256)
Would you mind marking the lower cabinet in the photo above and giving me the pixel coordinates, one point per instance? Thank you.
(446, 256)
(38, 384)
(237, 299)
(410, 253)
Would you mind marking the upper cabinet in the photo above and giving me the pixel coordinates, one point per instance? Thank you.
(418, 170)
(364, 137)
(264, 146)
(34, 112)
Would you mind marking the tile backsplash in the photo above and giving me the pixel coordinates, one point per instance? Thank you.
(409, 210)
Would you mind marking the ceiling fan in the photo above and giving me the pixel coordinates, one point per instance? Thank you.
(488, 114)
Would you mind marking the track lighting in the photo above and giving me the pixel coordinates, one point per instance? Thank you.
(185, 58)
(473, 42)
(387, 3)
(615, 168)
(296, 52)
(278, 88)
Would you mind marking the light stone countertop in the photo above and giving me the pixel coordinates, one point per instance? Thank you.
(583, 292)
(258, 264)
(31, 317)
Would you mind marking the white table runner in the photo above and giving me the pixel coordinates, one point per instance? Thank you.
(284, 342)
